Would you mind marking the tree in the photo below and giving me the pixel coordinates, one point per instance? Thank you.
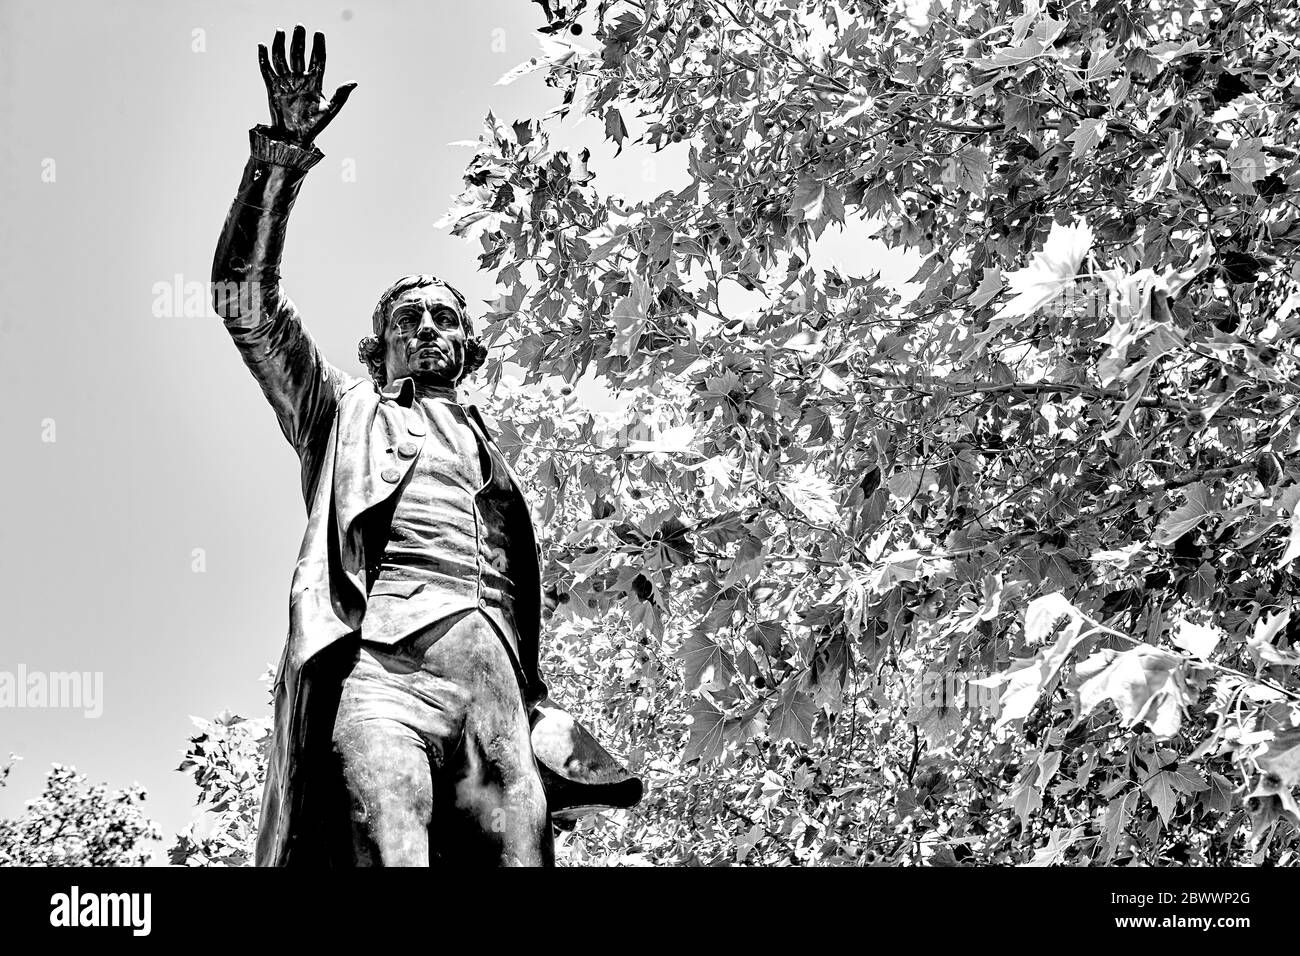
(227, 759)
(1064, 456)
(72, 824)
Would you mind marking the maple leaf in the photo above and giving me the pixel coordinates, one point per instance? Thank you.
(1049, 271)
(1087, 136)
(1024, 798)
(1198, 640)
(989, 287)
(940, 725)
(1218, 796)
(1144, 683)
(898, 567)
(1247, 163)
(793, 716)
(1028, 678)
(708, 666)
(629, 316)
(614, 128)
(1118, 814)
(815, 199)
(1043, 614)
(906, 483)
(707, 737)
(745, 843)
(968, 170)
(1060, 840)
(1164, 787)
(1031, 48)
(1179, 521)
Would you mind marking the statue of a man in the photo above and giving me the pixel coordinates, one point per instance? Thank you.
(411, 725)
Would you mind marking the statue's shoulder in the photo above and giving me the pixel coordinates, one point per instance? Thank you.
(357, 399)
(352, 385)
(359, 390)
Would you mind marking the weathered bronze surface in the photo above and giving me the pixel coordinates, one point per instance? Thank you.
(411, 724)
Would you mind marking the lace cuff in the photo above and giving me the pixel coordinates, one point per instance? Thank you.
(266, 148)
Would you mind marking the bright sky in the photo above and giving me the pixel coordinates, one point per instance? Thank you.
(152, 539)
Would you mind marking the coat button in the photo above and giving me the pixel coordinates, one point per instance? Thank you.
(391, 475)
(407, 449)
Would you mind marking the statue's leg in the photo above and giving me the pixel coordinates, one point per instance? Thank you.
(499, 815)
(393, 725)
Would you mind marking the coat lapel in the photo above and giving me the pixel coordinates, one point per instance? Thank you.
(378, 448)
(499, 464)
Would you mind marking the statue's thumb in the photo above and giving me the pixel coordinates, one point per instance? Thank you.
(340, 97)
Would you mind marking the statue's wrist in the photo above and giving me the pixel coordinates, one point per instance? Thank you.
(272, 146)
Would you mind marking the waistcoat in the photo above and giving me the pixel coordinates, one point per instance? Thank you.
(442, 544)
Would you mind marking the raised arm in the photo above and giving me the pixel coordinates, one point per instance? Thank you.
(300, 384)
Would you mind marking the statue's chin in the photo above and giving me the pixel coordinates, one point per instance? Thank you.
(441, 375)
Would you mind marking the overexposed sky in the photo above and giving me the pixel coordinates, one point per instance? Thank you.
(153, 539)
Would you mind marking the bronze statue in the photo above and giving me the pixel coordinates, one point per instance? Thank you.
(411, 724)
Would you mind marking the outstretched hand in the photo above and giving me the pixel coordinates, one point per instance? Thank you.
(299, 110)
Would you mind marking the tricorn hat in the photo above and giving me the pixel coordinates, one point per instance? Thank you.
(578, 774)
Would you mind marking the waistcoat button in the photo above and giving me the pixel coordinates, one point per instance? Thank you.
(407, 449)
(391, 475)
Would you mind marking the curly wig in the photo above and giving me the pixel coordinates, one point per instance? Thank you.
(370, 350)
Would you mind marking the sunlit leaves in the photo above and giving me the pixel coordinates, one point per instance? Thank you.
(630, 315)
(1087, 136)
(1247, 164)
(1027, 679)
(1071, 395)
(793, 716)
(1144, 683)
(1168, 785)
(815, 199)
(707, 736)
(1195, 509)
(75, 823)
(967, 171)
(812, 495)
(708, 667)
(1049, 271)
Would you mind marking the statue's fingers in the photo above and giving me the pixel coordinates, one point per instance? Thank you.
(317, 62)
(298, 49)
(264, 61)
(277, 53)
(339, 98)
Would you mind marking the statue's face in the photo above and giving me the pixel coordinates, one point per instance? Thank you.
(424, 337)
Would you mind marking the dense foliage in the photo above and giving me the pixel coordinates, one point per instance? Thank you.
(1061, 461)
(227, 759)
(72, 824)
(1064, 453)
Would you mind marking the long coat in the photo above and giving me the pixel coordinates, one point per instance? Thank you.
(346, 432)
